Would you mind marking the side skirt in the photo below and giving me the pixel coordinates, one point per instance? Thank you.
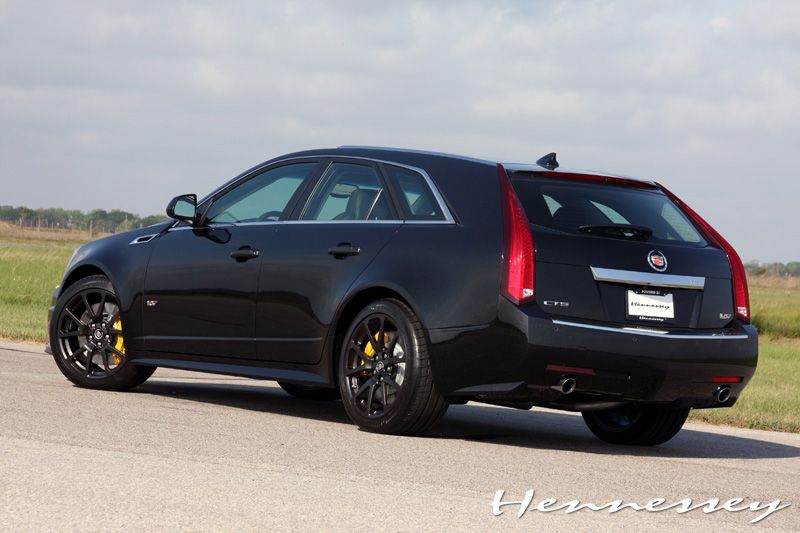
(291, 375)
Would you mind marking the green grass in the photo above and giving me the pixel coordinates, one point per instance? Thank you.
(776, 310)
(28, 275)
(30, 267)
(772, 399)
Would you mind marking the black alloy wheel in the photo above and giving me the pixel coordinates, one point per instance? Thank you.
(618, 420)
(637, 424)
(89, 334)
(375, 366)
(87, 339)
(384, 371)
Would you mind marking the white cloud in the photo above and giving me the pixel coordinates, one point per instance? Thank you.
(210, 75)
(533, 103)
(179, 96)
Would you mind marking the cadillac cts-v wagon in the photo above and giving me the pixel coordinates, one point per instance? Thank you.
(402, 281)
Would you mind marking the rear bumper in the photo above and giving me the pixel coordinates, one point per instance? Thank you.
(526, 352)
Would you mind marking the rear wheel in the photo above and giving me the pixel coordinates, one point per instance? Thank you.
(308, 392)
(642, 425)
(87, 339)
(384, 371)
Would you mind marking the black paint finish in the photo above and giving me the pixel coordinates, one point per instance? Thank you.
(274, 309)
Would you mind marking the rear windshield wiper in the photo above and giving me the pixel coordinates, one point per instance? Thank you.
(625, 231)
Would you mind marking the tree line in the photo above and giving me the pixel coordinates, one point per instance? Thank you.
(791, 269)
(95, 221)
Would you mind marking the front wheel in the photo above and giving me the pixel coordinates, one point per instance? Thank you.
(641, 425)
(385, 374)
(87, 339)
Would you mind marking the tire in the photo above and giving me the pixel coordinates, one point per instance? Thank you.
(639, 425)
(308, 392)
(104, 367)
(395, 366)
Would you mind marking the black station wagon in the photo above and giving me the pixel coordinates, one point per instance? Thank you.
(402, 281)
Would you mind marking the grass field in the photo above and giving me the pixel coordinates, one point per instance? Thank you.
(28, 275)
(31, 265)
(772, 399)
(775, 305)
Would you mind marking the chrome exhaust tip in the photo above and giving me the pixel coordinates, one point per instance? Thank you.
(565, 385)
(722, 394)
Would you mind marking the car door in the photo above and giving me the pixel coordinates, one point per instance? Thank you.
(202, 282)
(348, 218)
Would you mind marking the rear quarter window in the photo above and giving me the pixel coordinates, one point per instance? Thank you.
(419, 202)
(567, 205)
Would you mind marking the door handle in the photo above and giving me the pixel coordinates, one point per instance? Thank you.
(245, 253)
(344, 249)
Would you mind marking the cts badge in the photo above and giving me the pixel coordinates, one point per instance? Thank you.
(657, 261)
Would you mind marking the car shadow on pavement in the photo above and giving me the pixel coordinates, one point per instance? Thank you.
(536, 429)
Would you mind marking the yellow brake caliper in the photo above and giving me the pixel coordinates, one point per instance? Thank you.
(369, 350)
(119, 344)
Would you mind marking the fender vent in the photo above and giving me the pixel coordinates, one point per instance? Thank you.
(143, 239)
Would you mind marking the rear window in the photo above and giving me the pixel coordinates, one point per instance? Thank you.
(568, 205)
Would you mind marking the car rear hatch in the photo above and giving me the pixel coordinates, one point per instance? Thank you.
(622, 252)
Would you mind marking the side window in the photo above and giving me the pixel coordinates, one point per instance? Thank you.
(613, 216)
(552, 205)
(419, 200)
(679, 223)
(348, 192)
(262, 198)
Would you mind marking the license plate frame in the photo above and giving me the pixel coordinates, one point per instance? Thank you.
(649, 305)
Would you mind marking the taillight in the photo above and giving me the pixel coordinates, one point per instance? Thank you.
(518, 252)
(741, 297)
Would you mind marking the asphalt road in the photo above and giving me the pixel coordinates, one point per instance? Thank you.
(201, 452)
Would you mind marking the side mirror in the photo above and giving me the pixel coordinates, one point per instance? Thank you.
(183, 207)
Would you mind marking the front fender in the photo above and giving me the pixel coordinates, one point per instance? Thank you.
(124, 263)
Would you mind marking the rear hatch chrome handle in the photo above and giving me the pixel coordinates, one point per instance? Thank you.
(652, 279)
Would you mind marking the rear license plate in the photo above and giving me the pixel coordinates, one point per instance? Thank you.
(650, 305)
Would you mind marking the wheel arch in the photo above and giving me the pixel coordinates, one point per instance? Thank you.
(80, 272)
(95, 268)
(353, 304)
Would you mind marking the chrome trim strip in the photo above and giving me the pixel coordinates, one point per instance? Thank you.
(144, 239)
(292, 222)
(650, 332)
(304, 222)
(632, 277)
(427, 222)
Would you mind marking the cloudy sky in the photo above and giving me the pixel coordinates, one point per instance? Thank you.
(125, 104)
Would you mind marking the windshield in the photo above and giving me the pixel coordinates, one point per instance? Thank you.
(569, 205)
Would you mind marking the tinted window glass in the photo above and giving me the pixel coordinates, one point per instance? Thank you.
(419, 200)
(262, 198)
(552, 205)
(348, 192)
(566, 205)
